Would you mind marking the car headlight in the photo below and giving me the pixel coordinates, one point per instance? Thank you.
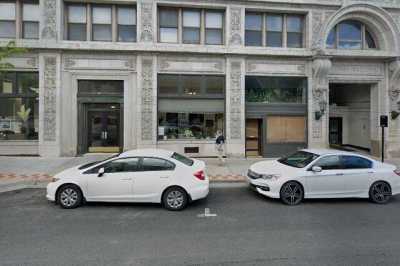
(270, 177)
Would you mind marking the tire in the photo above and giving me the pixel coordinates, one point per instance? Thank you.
(292, 193)
(380, 192)
(175, 199)
(69, 196)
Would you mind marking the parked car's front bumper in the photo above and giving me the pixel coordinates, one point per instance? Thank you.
(51, 191)
(264, 187)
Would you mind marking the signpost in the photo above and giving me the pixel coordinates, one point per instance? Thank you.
(383, 124)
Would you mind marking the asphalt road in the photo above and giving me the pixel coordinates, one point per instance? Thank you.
(248, 230)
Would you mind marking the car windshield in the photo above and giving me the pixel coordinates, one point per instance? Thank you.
(299, 159)
(87, 165)
(182, 159)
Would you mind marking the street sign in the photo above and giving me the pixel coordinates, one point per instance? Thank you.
(383, 123)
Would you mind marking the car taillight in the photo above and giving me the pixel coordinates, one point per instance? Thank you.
(397, 171)
(200, 175)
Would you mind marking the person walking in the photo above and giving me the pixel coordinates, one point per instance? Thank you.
(219, 146)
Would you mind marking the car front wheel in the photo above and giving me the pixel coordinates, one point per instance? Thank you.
(380, 192)
(175, 199)
(292, 193)
(69, 196)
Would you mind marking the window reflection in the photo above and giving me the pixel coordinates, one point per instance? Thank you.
(350, 34)
(275, 90)
(19, 106)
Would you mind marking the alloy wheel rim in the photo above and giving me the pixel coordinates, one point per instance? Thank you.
(69, 197)
(292, 193)
(175, 199)
(381, 192)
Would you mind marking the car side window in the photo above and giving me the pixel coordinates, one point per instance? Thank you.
(156, 164)
(330, 162)
(116, 166)
(355, 162)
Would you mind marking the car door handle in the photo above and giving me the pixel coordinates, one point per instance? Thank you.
(339, 174)
(164, 176)
(127, 178)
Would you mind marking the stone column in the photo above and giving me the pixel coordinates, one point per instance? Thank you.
(318, 129)
(146, 21)
(235, 100)
(393, 142)
(235, 29)
(49, 104)
(48, 21)
(147, 103)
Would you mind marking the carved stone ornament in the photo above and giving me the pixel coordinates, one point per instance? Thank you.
(147, 22)
(147, 99)
(50, 20)
(394, 71)
(32, 62)
(235, 26)
(49, 98)
(235, 101)
(321, 68)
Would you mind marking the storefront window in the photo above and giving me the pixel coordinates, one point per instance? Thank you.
(275, 90)
(19, 106)
(190, 106)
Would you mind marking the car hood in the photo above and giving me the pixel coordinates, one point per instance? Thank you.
(273, 167)
(68, 173)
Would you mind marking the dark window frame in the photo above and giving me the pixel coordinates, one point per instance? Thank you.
(191, 28)
(284, 32)
(29, 21)
(203, 89)
(364, 42)
(131, 25)
(111, 25)
(67, 23)
(168, 27)
(202, 29)
(89, 21)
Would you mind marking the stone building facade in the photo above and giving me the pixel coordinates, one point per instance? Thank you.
(286, 82)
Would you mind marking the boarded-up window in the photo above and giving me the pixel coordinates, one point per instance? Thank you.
(286, 129)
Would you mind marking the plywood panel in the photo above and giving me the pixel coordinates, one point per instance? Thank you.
(275, 129)
(286, 129)
(295, 129)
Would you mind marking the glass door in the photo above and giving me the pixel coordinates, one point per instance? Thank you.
(103, 129)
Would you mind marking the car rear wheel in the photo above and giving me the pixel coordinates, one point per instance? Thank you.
(69, 196)
(175, 199)
(292, 193)
(380, 192)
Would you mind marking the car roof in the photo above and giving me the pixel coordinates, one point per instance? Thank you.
(147, 152)
(322, 152)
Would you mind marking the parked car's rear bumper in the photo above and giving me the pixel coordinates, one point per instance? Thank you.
(200, 192)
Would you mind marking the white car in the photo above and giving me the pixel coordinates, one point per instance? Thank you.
(324, 174)
(148, 175)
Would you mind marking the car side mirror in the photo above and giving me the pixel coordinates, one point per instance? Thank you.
(100, 173)
(316, 169)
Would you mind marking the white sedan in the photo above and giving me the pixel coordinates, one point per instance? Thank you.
(148, 175)
(324, 174)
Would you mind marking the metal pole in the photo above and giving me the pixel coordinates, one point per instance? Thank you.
(383, 144)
